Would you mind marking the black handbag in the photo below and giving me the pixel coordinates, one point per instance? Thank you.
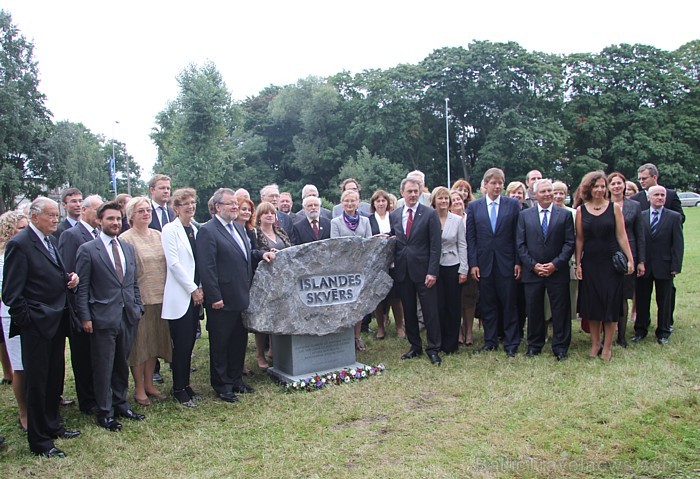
(619, 262)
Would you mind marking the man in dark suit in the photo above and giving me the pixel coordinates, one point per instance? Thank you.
(36, 288)
(109, 308)
(545, 243)
(648, 176)
(161, 213)
(311, 190)
(663, 232)
(71, 201)
(224, 263)
(416, 268)
(271, 194)
(492, 223)
(86, 230)
(286, 203)
(311, 227)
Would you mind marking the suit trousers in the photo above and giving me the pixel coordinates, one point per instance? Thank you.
(498, 295)
(449, 293)
(228, 339)
(44, 367)
(183, 332)
(664, 303)
(81, 361)
(408, 290)
(560, 302)
(110, 350)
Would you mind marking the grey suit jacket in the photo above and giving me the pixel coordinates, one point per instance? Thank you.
(454, 243)
(102, 299)
(339, 229)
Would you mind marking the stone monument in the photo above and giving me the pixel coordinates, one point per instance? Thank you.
(310, 298)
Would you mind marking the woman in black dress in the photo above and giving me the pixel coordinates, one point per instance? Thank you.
(600, 232)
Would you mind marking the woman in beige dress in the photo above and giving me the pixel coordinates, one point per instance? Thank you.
(152, 336)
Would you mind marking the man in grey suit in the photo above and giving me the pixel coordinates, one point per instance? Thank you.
(109, 308)
(546, 241)
(86, 230)
(416, 268)
(224, 263)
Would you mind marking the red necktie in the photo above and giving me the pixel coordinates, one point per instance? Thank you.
(409, 223)
(314, 225)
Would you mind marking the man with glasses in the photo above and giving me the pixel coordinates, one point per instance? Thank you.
(648, 176)
(224, 263)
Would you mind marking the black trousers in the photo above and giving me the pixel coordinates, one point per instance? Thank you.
(664, 302)
(449, 293)
(228, 339)
(110, 350)
(81, 361)
(428, 302)
(560, 303)
(44, 367)
(499, 294)
(182, 333)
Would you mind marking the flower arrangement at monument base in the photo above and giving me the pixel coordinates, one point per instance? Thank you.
(335, 378)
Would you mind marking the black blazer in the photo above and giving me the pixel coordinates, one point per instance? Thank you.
(35, 288)
(155, 220)
(487, 248)
(665, 248)
(302, 232)
(225, 272)
(285, 222)
(556, 248)
(374, 225)
(672, 202)
(634, 228)
(102, 298)
(419, 255)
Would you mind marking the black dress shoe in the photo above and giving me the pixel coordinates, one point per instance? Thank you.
(531, 353)
(53, 452)
(2, 440)
(637, 338)
(561, 356)
(193, 395)
(662, 340)
(67, 434)
(486, 349)
(243, 388)
(228, 397)
(130, 414)
(622, 342)
(435, 358)
(109, 423)
(412, 353)
(511, 353)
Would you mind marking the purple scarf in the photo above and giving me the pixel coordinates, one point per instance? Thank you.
(351, 221)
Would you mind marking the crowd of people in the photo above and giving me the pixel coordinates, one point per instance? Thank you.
(128, 281)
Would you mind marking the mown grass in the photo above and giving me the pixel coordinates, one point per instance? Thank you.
(477, 416)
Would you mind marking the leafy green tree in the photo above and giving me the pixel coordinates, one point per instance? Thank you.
(373, 172)
(25, 169)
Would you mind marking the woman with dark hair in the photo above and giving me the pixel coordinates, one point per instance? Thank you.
(632, 212)
(183, 298)
(380, 207)
(152, 338)
(269, 237)
(351, 223)
(453, 269)
(12, 223)
(600, 232)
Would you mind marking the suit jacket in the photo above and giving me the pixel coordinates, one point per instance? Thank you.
(672, 202)
(665, 248)
(225, 272)
(488, 249)
(302, 232)
(64, 225)
(339, 229)
(454, 244)
(285, 222)
(155, 217)
(102, 298)
(68, 245)
(556, 248)
(34, 287)
(634, 228)
(419, 254)
(179, 279)
(374, 224)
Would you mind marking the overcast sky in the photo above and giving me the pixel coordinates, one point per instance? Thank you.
(102, 62)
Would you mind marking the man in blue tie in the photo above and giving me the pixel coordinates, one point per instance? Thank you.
(664, 242)
(493, 258)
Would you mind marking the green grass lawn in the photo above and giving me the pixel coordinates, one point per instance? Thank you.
(477, 416)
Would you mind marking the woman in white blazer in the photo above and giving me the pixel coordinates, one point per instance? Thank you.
(352, 223)
(183, 296)
(453, 269)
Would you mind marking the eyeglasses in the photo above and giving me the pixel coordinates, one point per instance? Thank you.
(190, 203)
